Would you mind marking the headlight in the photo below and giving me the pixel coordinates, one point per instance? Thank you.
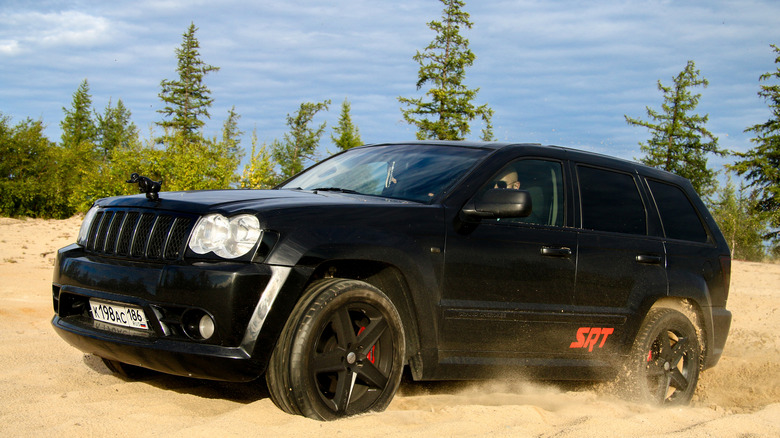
(228, 238)
(86, 225)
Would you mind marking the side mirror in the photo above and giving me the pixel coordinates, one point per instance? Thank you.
(499, 203)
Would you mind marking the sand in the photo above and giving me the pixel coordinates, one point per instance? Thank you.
(48, 388)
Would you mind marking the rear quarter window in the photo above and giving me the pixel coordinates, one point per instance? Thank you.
(679, 217)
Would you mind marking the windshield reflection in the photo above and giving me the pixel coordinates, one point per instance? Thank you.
(409, 172)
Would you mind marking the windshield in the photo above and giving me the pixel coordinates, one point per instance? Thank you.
(411, 172)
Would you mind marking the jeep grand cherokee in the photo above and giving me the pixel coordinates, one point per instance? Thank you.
(459, 260)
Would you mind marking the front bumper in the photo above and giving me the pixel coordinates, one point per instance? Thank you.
(238, 296)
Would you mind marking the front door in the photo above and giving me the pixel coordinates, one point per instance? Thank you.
(507, 280)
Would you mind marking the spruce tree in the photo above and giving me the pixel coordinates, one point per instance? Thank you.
(77, 125)
(679, 141)
(761, 164)
(742, 227)
(448, 111)
(187, 99)
(115, 129)
(347, 134)
(300, 143)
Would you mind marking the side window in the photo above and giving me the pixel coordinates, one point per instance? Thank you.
(611, 201)
(543, 180)
(677, 213)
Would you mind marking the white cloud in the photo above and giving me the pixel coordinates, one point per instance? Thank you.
(33, 30)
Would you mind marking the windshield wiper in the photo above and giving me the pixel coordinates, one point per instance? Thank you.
(335, 189)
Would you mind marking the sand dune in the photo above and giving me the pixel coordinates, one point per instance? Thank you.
(49, 388)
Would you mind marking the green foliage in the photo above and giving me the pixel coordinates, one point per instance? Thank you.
(27, 175)
(348, 135)
(204, 165)
(761, 165)
(443, 63)
(78, 126)
(679, 141)
(259, 173)
(75, 162)
(115, 129)
(487, 131)
(301, 142)
(742, 228)
(187, 99)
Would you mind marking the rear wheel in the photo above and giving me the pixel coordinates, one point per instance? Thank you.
(666, 358)
(340, 353)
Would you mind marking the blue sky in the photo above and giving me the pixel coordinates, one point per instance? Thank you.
(555, 72)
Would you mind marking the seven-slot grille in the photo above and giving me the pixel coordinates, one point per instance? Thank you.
(139, 234)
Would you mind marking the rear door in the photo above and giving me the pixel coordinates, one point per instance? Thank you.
(621, 262)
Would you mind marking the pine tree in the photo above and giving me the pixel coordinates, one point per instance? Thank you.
(348, 135)
(115, 129)
(761, 164)
(679, 141)
(75, 162)
(742, 228)
(448, 113)
(487, 131)
(231, 135)
(187, 99)
(301, 142)
(78, 126)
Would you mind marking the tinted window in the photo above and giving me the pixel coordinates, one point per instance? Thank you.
(677, 213)
(543, 180)
(611, 202)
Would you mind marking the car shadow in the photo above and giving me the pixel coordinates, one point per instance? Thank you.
(246, 392)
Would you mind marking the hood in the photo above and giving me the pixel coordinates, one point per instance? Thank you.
(232, 201)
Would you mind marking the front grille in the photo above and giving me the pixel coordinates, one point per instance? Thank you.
(139, 234)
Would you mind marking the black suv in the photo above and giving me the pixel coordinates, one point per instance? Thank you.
(460, 260)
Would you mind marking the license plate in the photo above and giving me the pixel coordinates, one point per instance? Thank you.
(118, 314)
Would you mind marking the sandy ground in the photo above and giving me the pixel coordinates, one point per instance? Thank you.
(49, 388)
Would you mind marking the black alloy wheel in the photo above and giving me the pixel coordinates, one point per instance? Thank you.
(667, 358)
(341, 352)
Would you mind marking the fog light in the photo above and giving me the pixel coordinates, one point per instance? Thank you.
(198, 325)
(206, 326)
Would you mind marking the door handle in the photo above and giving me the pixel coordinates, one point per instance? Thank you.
(650, 259)
(556, 252)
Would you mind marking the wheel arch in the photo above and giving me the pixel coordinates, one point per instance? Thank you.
(695, 313)
(391, 281)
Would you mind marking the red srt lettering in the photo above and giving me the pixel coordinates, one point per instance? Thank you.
(588, 336)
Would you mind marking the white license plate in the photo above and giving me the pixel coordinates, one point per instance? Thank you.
(118, 314)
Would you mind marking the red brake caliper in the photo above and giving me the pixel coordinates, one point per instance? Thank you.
(370, 356)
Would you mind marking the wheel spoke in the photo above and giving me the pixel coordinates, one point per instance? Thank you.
(372, 376)
(678, 380)
(665, 345)
(655, 369)
(328, 362)
(342, 324)
(663, 388)
(344, 385)
(368, 337)
(678, 351)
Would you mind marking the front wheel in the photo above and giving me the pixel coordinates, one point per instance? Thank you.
(666, 359)
(340, 353)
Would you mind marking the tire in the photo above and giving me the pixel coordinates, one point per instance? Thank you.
(665, 360)
(340, 353)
